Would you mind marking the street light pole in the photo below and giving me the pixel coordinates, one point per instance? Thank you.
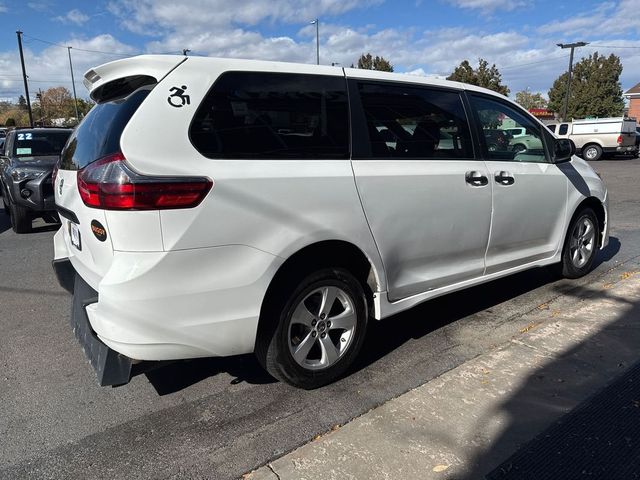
(24, 77)
(572, 46)
(317, 23)
(73, 83)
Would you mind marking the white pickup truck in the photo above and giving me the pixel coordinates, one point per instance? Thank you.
(597, 136)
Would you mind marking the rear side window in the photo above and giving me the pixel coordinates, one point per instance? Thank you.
(415, 122)
(39, 143)
(563, 129)
(273, 115)
(98, 135)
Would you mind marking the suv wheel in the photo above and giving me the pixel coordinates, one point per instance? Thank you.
(592, 152)
(581, 244)
(320, 329)
(20, 218)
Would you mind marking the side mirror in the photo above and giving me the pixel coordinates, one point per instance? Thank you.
(563, 150)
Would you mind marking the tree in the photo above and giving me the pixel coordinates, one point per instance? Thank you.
(483, 76)
(22, 102)
(531, 100)
(595, 88)
(368, 62)
(11, 122)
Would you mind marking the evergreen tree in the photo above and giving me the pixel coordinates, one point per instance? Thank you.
(367, 62)
(530, 100)
(483, 76)
(595, 88)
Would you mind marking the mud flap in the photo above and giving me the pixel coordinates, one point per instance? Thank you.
(111, 367)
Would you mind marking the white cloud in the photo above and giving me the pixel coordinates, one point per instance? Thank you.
(74, 16)
(609, 18)
(488, 6)
(3, 8)
(525, 57)
(50, 67)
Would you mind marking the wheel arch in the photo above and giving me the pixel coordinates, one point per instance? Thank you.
(596, 205)
(327, 253)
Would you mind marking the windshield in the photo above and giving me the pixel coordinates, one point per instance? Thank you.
(39, 143)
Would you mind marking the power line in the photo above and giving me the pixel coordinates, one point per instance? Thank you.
(79, 49)
(533, 63)
(611, 46)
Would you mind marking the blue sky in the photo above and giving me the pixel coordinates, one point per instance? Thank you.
(427, 37)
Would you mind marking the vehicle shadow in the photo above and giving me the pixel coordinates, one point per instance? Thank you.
(171, 377)
(5, 221)
(383, 337)
(574, 438)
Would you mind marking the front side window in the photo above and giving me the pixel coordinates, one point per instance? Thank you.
(408, 121)
(273, 115)
(496, 119)
(552, 128)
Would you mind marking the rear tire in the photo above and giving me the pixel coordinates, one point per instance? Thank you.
(20, 218)
(315, 329)
(592, 152)
(580, 245)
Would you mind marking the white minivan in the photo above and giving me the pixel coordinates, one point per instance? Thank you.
(215, 207)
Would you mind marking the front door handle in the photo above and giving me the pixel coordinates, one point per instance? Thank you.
(504, 178)
(475, 178)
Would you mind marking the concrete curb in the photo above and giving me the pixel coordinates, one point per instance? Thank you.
(470, 419)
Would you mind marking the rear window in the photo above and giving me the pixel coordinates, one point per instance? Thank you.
(39, 143)
(273, 115)
(98, 135)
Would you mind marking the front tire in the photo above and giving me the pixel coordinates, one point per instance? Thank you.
(319, 329)
(20, 218)
(581, 244)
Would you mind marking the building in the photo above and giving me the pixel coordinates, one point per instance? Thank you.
(633, 94)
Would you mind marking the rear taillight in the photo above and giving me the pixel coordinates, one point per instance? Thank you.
(619, 139)
(111, 184)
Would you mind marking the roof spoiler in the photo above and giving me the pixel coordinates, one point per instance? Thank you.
(121, 77)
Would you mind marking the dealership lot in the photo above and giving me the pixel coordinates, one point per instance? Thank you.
(222, 417)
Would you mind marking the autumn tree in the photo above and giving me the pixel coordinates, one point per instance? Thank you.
(530, 100)
(595, 88)
(367, 62)
(483, 76)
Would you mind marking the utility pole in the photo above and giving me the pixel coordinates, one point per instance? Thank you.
(24, 77)
(73, 82)
(317, 24)
(572, 46)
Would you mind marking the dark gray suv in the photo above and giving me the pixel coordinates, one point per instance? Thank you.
(27, 160)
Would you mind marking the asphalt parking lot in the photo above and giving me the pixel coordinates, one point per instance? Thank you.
(219, 418)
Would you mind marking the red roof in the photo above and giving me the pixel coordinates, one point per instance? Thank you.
(633, 90)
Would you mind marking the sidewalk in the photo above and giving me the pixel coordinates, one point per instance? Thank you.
(468, 422)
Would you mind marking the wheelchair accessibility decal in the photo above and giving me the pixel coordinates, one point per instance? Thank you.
(178, 98)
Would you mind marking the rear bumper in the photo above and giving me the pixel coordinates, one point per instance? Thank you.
(111, 367)
(174, 305)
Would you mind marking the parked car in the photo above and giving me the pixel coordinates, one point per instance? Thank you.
(215, 207)
(517, 132)
(27, 159)
(599, 136)
(525, 142)
(497, 139)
